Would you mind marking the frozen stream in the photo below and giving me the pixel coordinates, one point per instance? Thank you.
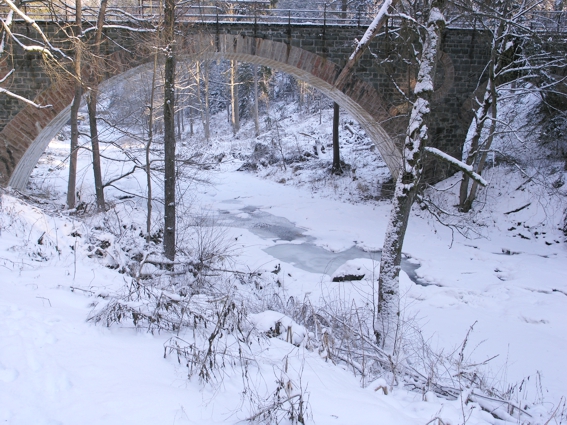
(306, 255)
(316, 259)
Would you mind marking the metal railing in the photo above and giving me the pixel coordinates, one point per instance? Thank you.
(255, 12)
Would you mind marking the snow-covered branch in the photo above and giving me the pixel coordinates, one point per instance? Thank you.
(40, 49)
(16, 96)
(31, 22)
(362, 44)
(23, 99)
(123, 27)
(467, 169)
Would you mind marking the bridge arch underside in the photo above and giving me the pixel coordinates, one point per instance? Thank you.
(27, 136)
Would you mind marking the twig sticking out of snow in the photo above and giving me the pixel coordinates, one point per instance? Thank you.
(518, 209)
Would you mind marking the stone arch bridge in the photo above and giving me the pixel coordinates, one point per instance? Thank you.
(314, 53)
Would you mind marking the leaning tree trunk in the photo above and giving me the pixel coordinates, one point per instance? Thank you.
(72, 182)
(388, 320)
(169, 131)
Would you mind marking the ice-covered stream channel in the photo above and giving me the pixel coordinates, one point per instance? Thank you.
(305, 255)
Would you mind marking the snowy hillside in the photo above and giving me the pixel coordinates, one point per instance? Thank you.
(266, 328)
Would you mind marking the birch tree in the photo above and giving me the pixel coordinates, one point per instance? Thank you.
(511, 59)
(388, 310)
(386, 324)
(417, 135)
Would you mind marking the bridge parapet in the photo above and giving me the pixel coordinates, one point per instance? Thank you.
(264, 12)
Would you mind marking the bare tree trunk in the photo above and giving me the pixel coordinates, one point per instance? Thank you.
(336, 169)
(199, 98)
(99, 190)
(301, 101)
(256, 118)
(72, 183)
(148, 147)
(267, 102)
(169, 131)
(92, 107)
(191, 120)
(207, 123)
(387, 324)
(467, 204)
(202, 107)
(472, 143)
(179, 113)
(234, 96)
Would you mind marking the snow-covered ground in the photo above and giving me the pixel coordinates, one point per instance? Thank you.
(509, 284)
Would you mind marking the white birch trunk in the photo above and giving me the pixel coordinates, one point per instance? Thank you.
(388, 320)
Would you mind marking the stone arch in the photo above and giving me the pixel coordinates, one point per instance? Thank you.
(27, 135)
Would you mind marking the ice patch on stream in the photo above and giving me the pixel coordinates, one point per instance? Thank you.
(263, 224)
(316, 259)
(306, 255)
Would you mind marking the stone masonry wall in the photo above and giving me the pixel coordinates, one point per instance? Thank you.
(388, 67)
